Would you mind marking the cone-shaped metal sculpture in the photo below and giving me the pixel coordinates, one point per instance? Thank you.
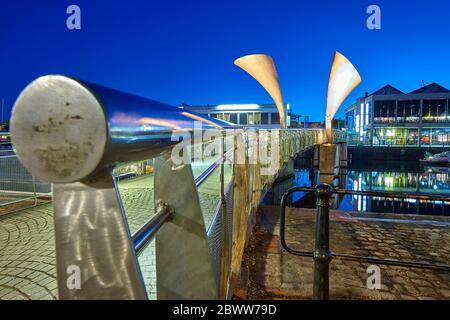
(262, 68)
(343, 79)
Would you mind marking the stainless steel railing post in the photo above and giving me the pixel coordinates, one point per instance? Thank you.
(223, 285)
(34, 189)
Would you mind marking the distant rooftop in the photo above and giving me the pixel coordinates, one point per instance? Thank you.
(231, 106)
(431, 88)
(387, 90)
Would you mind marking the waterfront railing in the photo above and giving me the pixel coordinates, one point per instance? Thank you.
(187, 241)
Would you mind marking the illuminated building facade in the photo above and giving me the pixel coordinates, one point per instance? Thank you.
(389, 117)
(260, 115)
(5, 140)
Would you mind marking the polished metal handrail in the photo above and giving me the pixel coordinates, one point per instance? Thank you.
(164, 213)
(107, 132)
(207, 172)
(146, 233)
(73, 133)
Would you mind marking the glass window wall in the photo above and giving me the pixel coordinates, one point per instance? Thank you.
(396, 136)
(275, 118)
(435, 137)
(243, 118)
(264, 118)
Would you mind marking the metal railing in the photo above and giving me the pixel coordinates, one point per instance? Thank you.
(193, 260)
(146, 233)
(322, 254)
(18, 188)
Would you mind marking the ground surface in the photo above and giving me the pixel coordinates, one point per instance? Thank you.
(269, 272)
(27, 250)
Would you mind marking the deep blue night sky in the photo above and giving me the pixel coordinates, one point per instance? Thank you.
(183, 51)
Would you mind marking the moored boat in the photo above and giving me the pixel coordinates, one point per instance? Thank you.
(439, 159)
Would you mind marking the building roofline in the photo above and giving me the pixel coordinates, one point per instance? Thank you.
(422, 89)
(227, 104)
(388, 86)
(350, 108)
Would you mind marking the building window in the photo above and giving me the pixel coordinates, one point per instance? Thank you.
(425, 137)
(361, 121)
(250, 118)
(350, 120)
(233, 118)
(243, 118)
(433, 111)
(435, 136)
(213, 115)
(396, 137)
(226, 116)
(275, 118)
(220, 116)
(264, 118)
(441, 136)
(413, 136)
(408, 111)
(448, 107)
(367, 115)
(257, 118)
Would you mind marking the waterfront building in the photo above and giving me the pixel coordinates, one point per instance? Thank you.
(390, 117)
(5, 140)
(261, 115)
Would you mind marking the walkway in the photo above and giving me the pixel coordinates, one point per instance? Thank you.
(269, 272)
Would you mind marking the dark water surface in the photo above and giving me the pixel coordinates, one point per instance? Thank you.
(391, 177)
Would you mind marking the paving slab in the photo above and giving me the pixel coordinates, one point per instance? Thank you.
(269, 272)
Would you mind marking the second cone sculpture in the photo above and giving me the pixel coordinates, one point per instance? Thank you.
(262, 68)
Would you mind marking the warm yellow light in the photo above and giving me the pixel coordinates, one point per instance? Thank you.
(390, 133)
(262, 68)
(343, 79)
(389, 182)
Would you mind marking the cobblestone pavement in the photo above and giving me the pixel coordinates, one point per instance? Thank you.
(269, 272)
(27, 250)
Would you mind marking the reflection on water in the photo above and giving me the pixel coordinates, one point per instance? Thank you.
(408, 178)
(424, 182)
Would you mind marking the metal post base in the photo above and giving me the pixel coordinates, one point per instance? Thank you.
(183, 264)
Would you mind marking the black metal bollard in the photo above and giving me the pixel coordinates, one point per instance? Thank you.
(322, 254)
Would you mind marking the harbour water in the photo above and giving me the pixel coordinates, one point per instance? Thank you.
(404, 177)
